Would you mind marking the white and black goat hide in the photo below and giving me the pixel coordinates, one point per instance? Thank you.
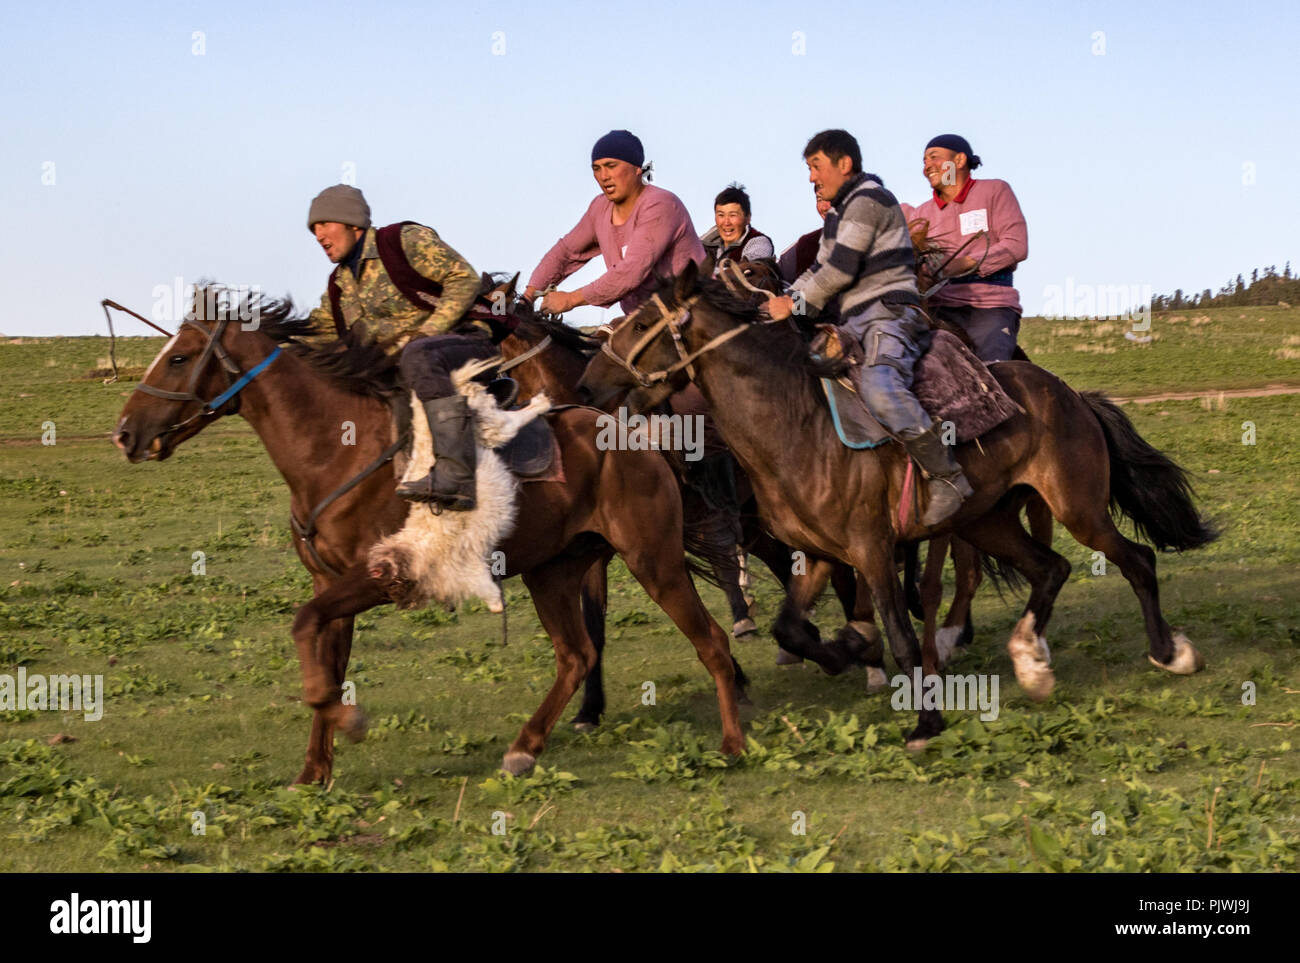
(447, 557)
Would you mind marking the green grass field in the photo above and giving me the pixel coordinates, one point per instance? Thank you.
(202, 688)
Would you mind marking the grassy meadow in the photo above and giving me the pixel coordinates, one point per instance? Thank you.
(202, 690)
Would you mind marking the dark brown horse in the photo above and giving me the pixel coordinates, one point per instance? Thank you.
(1079, 452)
(556, 369)
(297, 398)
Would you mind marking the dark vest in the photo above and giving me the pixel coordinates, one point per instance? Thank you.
(805, 252)
(415, 287)
(733, 253)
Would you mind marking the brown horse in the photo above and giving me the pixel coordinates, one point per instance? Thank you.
(296, 398)
(1079, 452)
(925, 593)
(549, 356)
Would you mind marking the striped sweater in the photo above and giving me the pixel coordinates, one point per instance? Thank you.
(864, 262)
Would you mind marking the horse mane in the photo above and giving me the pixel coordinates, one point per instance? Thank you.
(779, 350)
(533, 327)
(355, 363)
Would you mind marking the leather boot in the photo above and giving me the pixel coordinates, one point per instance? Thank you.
(947, 487)
(451, 482)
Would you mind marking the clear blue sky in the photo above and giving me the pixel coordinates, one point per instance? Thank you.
(1128, 164)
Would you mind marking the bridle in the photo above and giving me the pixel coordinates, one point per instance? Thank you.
(675, 321)
(236, 380)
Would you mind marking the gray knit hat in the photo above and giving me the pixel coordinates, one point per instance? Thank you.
(340, 203)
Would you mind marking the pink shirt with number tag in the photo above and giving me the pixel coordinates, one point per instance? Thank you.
(982, 205)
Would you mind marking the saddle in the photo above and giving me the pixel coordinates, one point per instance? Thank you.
(950, 382)
(528, 455)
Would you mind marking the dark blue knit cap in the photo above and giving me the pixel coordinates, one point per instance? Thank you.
(952, 142)
(621, 145)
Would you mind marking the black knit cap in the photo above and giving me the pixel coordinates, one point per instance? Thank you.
(958, 145)
(621, 145)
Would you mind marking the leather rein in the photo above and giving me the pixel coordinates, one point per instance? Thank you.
(236, 379)
(675, 321)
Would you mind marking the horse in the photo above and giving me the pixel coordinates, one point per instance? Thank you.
(546, 355)
(926, 592)
(295, 397)
(1079, 452)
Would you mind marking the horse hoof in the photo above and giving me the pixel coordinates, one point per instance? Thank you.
(733, 749)
(916, 745)
(518, 763)
(581, 725)
(1031, 659)
(877, 681)
(353, 724)
(787, 658)
(1036, 679)
(1186, 661)
(862, 641)
(743, 628)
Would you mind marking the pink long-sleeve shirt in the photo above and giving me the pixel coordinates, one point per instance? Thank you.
(982, 205)
(658, 239)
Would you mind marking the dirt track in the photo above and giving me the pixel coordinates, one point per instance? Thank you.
(1263, 392)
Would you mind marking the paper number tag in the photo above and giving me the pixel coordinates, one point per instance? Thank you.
(973, 221)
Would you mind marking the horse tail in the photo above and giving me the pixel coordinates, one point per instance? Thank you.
(704, 557)
(1003, 575)
(1147, 486)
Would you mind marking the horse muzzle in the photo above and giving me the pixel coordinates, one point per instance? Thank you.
(137, 449)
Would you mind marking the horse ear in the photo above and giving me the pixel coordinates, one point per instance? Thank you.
(513, 285)
(685, 284)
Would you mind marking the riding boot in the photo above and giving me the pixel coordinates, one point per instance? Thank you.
(450, 484)
(948, 487)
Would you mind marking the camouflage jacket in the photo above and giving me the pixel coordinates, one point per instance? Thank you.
(372, 297)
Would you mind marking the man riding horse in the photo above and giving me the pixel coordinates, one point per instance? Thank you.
(640, 230)
(733, 237)
(412, 291)
(980, 295)
(644, 233)
(865, 266)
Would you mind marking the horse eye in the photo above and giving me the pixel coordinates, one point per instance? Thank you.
(177, 360)
(638, 326)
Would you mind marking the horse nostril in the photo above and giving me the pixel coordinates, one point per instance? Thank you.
(585, 395)
(122, 439)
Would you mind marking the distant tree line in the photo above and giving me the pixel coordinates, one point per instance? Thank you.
(1265, 286)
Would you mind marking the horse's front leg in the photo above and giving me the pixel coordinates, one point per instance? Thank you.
(322, 631)
(873, 554)
(555, 587)
(859, 633)
(320, 752)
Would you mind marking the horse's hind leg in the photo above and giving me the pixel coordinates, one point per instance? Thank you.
(322, 631)
(930, 590)
(595, 603)
(716, 533)
(659, 566)
(1001, 535)
(958, 629)
(1040, 519)
(1094, 528)
(556, 588)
